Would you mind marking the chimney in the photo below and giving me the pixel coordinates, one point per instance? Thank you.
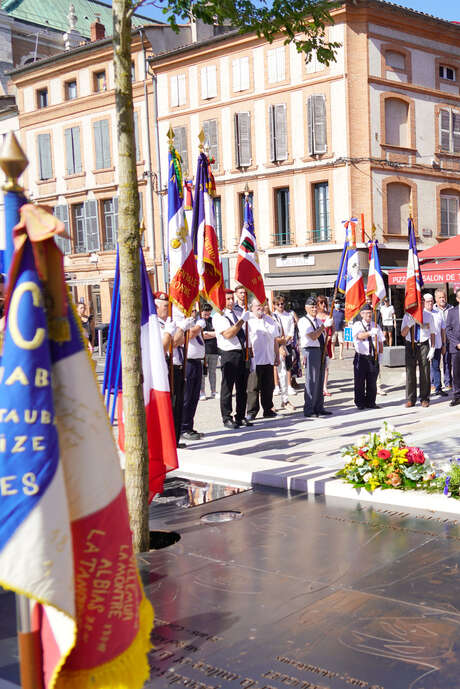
(97, 29)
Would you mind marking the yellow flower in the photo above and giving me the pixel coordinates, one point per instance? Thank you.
(375, 463)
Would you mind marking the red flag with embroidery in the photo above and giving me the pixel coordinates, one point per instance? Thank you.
(247, 266)
(414, 280)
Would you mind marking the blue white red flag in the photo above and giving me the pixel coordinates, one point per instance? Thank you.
(248, 271)
(158, 410)
(341, 281)
(183, 273)
(354, 290)
(375, 282)
(414, 280)
(65, 539)
(204, 236)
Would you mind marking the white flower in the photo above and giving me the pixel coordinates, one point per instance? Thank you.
(360, 461)
(446, 467)
(361, 440)
(367, 477)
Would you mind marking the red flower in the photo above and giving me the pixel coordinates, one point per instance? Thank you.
(384, 454)
(362, 453)
(415, 455)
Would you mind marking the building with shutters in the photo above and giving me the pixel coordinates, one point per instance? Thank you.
(374, 133)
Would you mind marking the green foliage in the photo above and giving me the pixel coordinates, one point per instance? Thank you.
(302, 22)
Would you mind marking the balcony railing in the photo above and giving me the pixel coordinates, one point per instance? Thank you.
(282, 238)
(324, 235)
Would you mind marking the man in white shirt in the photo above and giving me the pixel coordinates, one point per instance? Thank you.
(419, 351)
(240, 297)
(439, 344)
(262, 339)
(234, 367)
(443, 307)
(387, 311)
(286, 323)
(368, 343)
(312, 341)
(193, 375)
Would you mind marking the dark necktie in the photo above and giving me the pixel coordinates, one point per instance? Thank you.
(417, 333)
(371, 343)
(321, 337)
(240, 334)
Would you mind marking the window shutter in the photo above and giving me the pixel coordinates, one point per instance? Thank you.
(204, 83)
(76, 149)
(44, 156)
(212, 81)
(280, 64)
(236, 75)
(444, 125)
(281, 132)
(210, 132)
(271, 117)
(91, 226)
(271, 58)
(317, 136)
(456, 131)
(244, 73)
(62, 213)
(105, 143)
(136, 136)
(180, 144)
(70, 162)
(181, 89)
(243, 129)
(174, 84)
(98, 145)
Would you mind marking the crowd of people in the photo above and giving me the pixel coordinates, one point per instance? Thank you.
(262, 351)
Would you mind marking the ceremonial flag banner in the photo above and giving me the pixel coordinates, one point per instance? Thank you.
(375, 283)
(183, 273)
(414, 280)
(158, 410)
(354, 291)
(247, 266)
(341, 282)
(65, 540)
(205, 237)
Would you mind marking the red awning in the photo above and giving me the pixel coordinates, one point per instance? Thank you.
(450, 248)
(432, 273)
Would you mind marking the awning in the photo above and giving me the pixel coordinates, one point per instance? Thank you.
(450, 248)
(432, 273)
(288, 282)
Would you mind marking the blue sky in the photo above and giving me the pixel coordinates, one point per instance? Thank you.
(445, 9)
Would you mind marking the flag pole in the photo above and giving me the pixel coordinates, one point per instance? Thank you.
(13, 162)
(167, 276)
(246, 196)
(412, 329)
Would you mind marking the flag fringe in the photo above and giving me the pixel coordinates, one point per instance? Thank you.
(130, 670)
(59, 329)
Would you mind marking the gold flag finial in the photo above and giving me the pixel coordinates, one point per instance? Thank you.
(201, 137)
(374, 230)
(170, 136)
(13, 162)
(410, 211)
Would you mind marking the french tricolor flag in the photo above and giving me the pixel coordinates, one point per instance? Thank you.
(375, 283)
(354, 293)
(414, 280)
(160, 423)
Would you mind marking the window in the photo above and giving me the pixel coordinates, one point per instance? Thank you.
(177, 87)
(71, 89)
(110, 231)
(100, 82)
(276, 65)
(243, 139)
(102, 144)
(321, 233)
(449, 135)
(42, 98)
(86, 227)
(218, 216)
(316, 123)
(180, 144)
(278, 132)
(44, 157)
(396, 66)
(396, 122)
(210, 132)
(314, 65)
(449, 216)
(62, 212)
(398, 206)
(446, 73)
(133, 71)
(136, 136)
(283, 232)
(72, 150)
(240, 69)
(208, 82)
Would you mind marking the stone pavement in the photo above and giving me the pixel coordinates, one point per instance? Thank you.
(304, 454)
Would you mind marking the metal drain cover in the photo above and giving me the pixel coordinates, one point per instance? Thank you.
(222, 516)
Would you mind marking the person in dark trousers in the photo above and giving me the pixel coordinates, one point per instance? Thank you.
(193, 376)
(443, 307)
(368, 343)
(453, 338)
(212, 353)
(234, 367)
(420, 353)
(265, 354)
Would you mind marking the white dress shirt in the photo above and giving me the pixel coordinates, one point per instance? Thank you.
(425, 330)
(439, 326)
(307, 325)
(222, 322)
(364, 346)
(287, 322)
(262, 333)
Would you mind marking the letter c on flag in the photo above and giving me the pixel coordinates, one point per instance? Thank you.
(40, 333)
